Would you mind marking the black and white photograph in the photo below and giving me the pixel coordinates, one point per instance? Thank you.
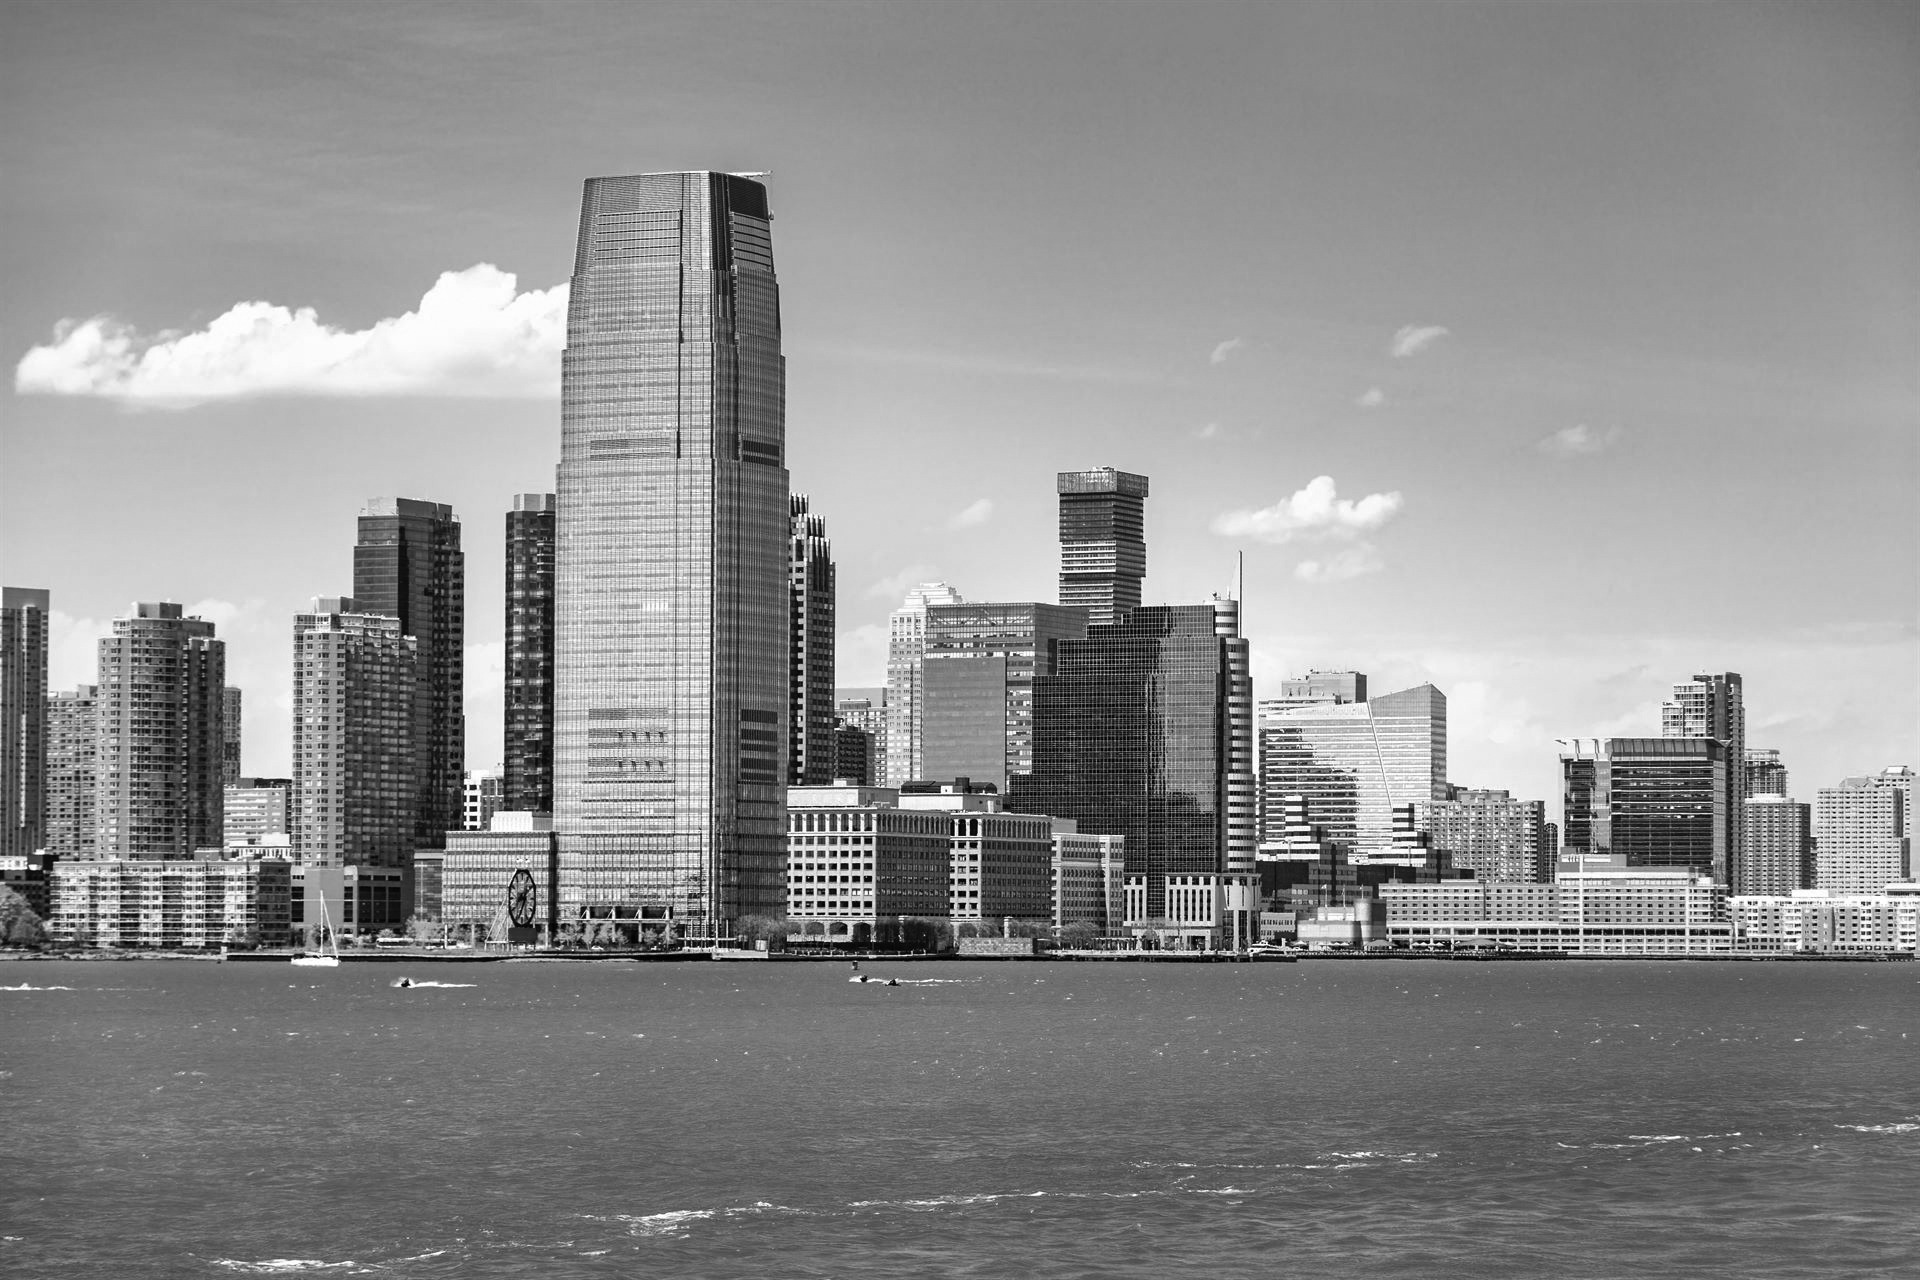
(906, 639)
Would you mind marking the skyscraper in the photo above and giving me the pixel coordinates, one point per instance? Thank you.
(1765, 774)
(408, 565)
(1659, 802)
(355, 796)
(23, 720)
(977, 672)
(1711, 706)
(1861, 834)
(158, 789)
(810, 584)
(72, 744)
(1103, 547)
(1354, 762)
(1135, 735)
(864, 711)
(230, 740)
(906, 645)
(528, 766)
(1493, 835)
(1776, 856)
(671, 610)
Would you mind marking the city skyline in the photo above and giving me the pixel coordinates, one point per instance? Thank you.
(1492, 383)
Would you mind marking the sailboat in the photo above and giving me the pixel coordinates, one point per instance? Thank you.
(330, 958)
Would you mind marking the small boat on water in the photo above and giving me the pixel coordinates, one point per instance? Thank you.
(330, 957)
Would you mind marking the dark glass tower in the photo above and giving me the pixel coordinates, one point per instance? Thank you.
(23, 720)
(1103, 547)
(1143, 731)
(408, 565)
(529, 693)
(977, 674)
(672, 617)
(810, 581)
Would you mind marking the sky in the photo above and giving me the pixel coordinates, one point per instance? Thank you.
(1552, 353)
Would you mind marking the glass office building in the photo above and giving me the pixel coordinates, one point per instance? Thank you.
(977, 674)
(1353, 762)
(1135, 736)
(1103, 547)
(1657, 802)
(671, 603)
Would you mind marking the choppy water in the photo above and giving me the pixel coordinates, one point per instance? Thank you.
(1331, 1118)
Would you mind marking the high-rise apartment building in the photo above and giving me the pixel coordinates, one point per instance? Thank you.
(1354, 762)
(862, 711)
(1103, 542)
(1860, 832)
(810, 584)
(906, 645)
(408, 565)
(484, 795)
(73, 733)
(1136, 734)
(528, 742)
(355, 684)
(1765, 774)
(230, 743)
(23, 720)
(1493, 835)
(1776, 850)
(1657, 802)
(1712, 706)
(258, 808)
(671, 613)
(976, 678)
(161, 702)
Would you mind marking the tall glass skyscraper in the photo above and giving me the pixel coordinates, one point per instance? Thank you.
(1144, 731)
(528, 741)
(408, 565)
(671, 604)
(1103, 546)
(1713, 706)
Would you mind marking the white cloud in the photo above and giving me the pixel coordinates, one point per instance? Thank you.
(1414, 338)
(73, 650)
(1209, 432)
(972, 514)
(860, 656)
(471, 335)
(1371, 398)
(1579, 441)
(1225, 349)
(1313, 514)
(1340, 566)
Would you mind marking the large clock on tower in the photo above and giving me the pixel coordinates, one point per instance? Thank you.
(523, 903)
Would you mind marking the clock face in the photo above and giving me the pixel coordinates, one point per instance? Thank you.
(522, 898)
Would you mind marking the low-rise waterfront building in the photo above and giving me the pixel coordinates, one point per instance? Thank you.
(1000, 863)
(1830, 921)
(478, 866)
(1597, 905)
(1089, 878)
(858, 864)
(173, 903)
